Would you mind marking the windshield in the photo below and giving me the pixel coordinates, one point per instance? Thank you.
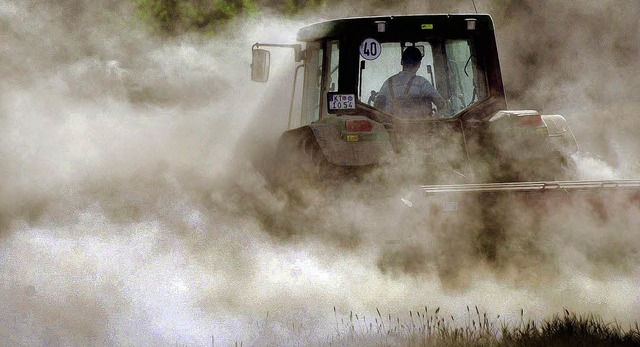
(447, 76)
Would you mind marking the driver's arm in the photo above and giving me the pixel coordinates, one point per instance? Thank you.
(439, 101)
(430, 92)
(384, 97)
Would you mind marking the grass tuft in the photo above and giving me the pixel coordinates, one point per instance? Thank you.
(569, 329)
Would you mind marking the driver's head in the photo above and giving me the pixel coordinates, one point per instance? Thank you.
(411, 57)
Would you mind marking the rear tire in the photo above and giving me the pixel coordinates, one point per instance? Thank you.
(300, 162)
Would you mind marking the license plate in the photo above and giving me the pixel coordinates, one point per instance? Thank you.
(342, 102)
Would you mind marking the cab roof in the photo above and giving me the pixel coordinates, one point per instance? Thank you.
(435, 24)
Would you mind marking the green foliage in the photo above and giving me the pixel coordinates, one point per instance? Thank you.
(177, 16)
(295, 6)
(172, 17)
(159, 14)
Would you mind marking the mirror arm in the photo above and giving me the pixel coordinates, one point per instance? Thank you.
(297, 48)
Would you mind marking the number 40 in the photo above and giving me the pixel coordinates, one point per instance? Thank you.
(371, 48)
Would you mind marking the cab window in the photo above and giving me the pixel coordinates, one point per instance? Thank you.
(330, 83)
(312, 83)
(375, 72)
(466, 81)
(448, 65)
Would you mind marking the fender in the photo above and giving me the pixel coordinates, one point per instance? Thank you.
(560, 134)
(554, 129)
(330, 135)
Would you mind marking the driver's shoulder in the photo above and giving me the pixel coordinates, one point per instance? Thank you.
(420, 80)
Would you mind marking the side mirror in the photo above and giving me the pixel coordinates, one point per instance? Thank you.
(260, 65)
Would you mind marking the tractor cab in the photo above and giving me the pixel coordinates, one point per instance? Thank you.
(347, 61)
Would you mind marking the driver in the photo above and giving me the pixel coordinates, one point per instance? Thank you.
(401, 91)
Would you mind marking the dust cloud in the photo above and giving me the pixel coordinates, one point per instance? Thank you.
(132, 211)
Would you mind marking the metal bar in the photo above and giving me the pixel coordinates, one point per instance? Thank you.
(293, 95)
(297, 48)
(289, 45)
(532, 186)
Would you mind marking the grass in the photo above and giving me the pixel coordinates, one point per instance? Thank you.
(432, 328)
(478, 329)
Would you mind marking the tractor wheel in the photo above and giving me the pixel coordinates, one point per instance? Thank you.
(322, 170)
(558, 167)
(300, 161)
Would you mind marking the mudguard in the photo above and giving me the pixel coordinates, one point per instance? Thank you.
(340, 152)
(560, 134)
(555, 130)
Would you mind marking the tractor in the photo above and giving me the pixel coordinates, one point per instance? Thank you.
(472, 144)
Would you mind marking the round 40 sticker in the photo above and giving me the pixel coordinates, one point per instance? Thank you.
(370, 49)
